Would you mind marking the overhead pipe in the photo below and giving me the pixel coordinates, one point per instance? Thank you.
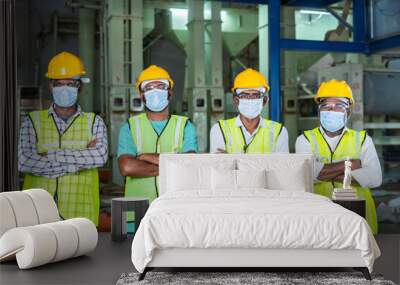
(87, 23)
(339, 18)
(79, 5)
(238, 61)
(55, 33)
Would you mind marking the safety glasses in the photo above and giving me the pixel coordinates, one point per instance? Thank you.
(252, 95)
(158, 85)
(73, 83)
(336, 107)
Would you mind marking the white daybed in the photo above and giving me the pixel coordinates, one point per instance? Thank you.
(32, 233)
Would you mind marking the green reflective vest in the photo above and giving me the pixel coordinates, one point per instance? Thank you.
(76, 194)
(147, 140)
(264, 141)
(349, 146)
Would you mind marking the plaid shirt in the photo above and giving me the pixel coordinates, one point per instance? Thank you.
(60, 162)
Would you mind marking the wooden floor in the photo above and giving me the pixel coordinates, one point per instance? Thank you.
(110, 260)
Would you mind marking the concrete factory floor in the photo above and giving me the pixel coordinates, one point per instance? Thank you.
(110, 259)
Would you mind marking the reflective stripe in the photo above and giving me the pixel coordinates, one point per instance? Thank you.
(358, 146)
(271, 137)
(177, 133)
(50, 145)
(37, 121)
(74, 142)
(89, 125)
(138, 134)
(69, 143)
(315, 143)
(228, 134)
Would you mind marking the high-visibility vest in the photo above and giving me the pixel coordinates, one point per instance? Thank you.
(264, 141)
(146, 139)
(349, 147)
(76, 194)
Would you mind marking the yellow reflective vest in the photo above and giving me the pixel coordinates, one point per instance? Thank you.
(146, 139)
(349, 146)
(264, 141)
(76, 194)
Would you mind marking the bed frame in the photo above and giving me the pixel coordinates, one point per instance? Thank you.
(249, 259)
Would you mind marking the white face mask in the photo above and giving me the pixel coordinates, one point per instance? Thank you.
(65, 96)
(156, 99)
(332, 121)
(250, 108)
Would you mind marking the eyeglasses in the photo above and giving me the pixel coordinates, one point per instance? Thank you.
(337, 107)
(151, 86)
(74, 83)
(253, 95)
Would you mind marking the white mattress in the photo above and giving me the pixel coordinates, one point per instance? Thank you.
(250, 219)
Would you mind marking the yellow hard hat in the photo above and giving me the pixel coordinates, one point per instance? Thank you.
(154, 72)
(65, 65)
(249, 78)
(334, 89)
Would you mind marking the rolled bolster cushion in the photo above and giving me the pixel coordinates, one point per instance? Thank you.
(33, 246)
(26, 208)
(46, 208)
(24, 211)
(67, 240)
(87, 235)
(40, 244)
(7, 218)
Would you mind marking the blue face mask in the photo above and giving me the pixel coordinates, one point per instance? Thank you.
(332, 121)
(65, 96)
(250, 108)
(156, 99)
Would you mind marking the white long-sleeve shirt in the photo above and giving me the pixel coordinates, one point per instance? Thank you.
(370, 173)
(217, 138)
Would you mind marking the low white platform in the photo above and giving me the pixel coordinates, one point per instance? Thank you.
(179, 257)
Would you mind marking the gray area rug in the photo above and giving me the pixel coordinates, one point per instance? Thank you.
(228, 278)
